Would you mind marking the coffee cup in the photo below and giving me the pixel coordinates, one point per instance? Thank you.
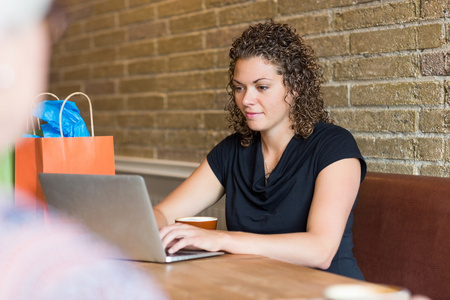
(365, 292)
(201, 222)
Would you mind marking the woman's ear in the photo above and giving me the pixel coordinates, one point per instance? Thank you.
(290, 96)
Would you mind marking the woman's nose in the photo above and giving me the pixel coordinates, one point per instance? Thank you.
(248, 97)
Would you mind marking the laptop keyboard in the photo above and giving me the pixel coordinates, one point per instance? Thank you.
(183, 253)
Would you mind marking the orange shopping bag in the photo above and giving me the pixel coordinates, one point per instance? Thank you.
(77, 155)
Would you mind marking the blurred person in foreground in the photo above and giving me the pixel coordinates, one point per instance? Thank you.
(37, 260)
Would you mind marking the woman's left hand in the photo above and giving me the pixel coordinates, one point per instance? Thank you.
(182, 236)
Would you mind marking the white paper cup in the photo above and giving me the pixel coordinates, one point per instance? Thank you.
(365, 292)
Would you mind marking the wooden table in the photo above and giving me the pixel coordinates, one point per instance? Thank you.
(241, 277)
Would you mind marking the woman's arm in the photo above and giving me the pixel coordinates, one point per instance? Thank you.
(199, 191)
(334, 195)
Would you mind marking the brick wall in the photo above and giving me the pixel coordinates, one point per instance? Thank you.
(156, 72)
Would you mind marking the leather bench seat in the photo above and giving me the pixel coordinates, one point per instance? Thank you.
(401, 232)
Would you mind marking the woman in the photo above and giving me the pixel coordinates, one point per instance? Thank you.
(290, 177)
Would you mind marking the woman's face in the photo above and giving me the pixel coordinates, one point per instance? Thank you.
(261, 95)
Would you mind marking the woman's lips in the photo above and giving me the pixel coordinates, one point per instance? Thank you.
(251, 115)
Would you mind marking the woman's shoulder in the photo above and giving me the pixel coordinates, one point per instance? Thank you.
(231, 141)
(233, 138)
(329, 129)
(325, 131)
(225, 147)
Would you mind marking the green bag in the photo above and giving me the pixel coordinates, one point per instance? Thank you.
(7, 172)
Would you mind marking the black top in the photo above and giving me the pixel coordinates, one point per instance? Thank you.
(283, 206)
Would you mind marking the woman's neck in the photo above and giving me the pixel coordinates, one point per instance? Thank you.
(272, 148)
(274, 144)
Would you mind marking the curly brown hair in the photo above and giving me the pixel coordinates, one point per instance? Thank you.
(295, 61)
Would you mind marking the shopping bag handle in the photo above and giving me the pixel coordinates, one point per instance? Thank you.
(90, 110)
(34, 103)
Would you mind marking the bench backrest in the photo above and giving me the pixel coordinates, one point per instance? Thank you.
(401, 232)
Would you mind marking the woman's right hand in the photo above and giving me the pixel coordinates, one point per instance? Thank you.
(182, 236)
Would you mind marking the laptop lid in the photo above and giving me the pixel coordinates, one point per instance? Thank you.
(116, 207)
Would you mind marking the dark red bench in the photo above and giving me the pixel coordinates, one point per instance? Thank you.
(402, 232)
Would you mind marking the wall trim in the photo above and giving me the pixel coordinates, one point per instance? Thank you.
(157, 167)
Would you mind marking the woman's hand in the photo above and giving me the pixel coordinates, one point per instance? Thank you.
(182, 236)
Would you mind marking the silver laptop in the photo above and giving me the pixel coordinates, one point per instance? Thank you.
(116, 207)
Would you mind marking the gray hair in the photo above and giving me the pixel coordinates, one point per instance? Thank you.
(16, 15)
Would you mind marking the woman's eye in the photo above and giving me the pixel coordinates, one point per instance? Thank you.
(237, 89)
(263, 87)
